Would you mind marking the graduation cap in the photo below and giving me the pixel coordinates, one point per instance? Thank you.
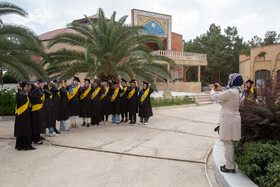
(145, 83)
(115, 82)
(97, 81)
(123, 80)
(104, 80)
(76, 79)
(40, 81)
(250, 81)
(132, 81)
(62, 79)
(55, 80)
(23, 84)
(87, 80)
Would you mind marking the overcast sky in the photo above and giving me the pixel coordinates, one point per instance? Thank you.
(190, 17)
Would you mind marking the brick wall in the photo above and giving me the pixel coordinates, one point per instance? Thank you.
(176, 42)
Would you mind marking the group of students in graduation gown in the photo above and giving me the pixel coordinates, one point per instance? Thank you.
(39, 108)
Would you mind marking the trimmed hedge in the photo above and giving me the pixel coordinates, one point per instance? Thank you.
(260, 160)
(170, 101)
(7, 101)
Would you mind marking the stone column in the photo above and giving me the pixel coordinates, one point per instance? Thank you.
(198, 74)
(184, 74)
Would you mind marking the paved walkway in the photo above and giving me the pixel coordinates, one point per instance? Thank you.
(170, 151)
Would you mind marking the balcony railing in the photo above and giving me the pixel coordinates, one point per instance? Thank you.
(177, 55)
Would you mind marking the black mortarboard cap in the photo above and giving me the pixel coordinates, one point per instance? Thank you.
(250, 81)
(54, 80)
(76, 79)
(132, 81)
(87, 80)
(40, 80)
(115, 82)
(23, 84)
(62, 79)
(123, 80)
(104, 80)
(145, 83)
(96, 80)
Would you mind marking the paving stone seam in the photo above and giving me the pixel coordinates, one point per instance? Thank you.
(128, 154)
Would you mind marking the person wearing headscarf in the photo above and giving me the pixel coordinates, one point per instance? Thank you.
(55, 103)
(23, 129)
(74, 101)
(145, 107)
(63, 107)
(230, 120)
(250, 91)
(85, 100)
(132, 101)
(37, 112)
(96, 113)
(106, 102)
(115, 102)
(124, 101)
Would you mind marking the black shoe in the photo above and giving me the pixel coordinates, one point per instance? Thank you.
(30, 148)
(88, 125)
(84, 124)
(225, 170)
(57, 132)
(121, 121)
(126, 121)
(42, 138)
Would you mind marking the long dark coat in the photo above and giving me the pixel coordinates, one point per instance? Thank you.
(48, 109)
(22, 121)
(124, 100)
(63, 107)
(37, 117)
(85, 104)
(97, 112)
(106, 103)
(133, 101)
(55, 101)
(116, 104)
(74, 103)
(145, 108)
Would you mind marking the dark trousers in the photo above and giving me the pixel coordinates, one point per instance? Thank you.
(95, 120)
(36, 138)
(23, 142)
(124, 114)
(105, 117)
(132, 118)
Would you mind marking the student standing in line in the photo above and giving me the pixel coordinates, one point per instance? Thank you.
(97, 113)
(63, 107)
(56, 103)
(74, 101)
(115, 101)
(133, 101)
(85, 100)
(145, 107)
(106, 102)
(124, 101)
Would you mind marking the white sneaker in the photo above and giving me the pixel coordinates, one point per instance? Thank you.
(145, 123)
(140, 123)
(53, 134)
(46, 134)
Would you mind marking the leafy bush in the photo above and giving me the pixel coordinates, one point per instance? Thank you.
(7, 101)
(261, 117)
(170, 101)
(260, 161)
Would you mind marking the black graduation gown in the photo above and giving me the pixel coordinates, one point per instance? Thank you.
(22, 121)
(145, 108)
(133, 101)
(37, 117)
(124, 101)
(63, 107)
(48, 108)
(97, 112)
(106, 103)
(55, 101)
(85, 106)
(116, 104)
(74, 103)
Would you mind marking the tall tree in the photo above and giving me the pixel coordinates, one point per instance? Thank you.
(107, 49)
(17, 45)
(271, 37)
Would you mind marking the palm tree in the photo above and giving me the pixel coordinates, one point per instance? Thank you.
(108, 49)
(17, 45)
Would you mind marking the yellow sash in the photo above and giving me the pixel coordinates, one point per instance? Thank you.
(106, 91)
(125, 88)
(51, 95)
(36, 107)
(116, 92)
(252, 90)
(85, 93)
(23, 108)
(72, 94)
(43, 98)
(59, 91)
(131, 93)
(144, 96)
(95, 93)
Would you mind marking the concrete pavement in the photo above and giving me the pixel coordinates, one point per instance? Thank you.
(169, 151)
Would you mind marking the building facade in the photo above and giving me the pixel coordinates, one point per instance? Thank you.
(160, 25)
(262, 63)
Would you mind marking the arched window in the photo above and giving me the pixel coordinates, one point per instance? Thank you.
(261, 76)
(263, 56)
